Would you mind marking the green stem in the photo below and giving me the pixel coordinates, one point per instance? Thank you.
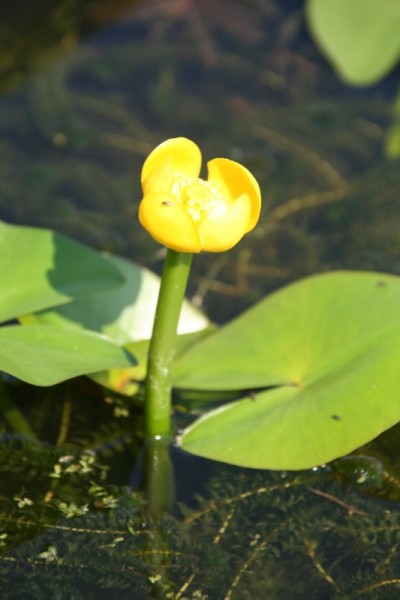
(163, 344)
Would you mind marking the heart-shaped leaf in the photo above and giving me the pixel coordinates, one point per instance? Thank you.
(330, 348)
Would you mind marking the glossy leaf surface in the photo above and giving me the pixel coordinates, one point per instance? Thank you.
(41, 269)
(45, 354)
(330, 346)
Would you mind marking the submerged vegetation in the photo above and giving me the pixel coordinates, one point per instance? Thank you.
(70, 532)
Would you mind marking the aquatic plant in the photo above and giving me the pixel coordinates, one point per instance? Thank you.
(332, 203)
(296, 381)
(68, 533)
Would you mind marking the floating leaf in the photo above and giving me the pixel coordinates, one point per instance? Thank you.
(124, 314)
(329, 348)
(46, 354)
(360, 37)
(40, 269)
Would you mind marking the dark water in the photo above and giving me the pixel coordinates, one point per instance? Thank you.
(89, 90)
(246, 83)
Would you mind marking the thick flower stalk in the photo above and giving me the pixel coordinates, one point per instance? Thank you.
(188, 214)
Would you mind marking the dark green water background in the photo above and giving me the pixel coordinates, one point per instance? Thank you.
(88, 89)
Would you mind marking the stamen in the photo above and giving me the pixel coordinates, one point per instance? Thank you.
(199, 197)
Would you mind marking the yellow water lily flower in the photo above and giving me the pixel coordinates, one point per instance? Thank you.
(189, 214)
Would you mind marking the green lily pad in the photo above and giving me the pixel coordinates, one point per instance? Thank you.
(360, 37)
(329, 349)
(125, 314)
(45, 354)
(40, 269)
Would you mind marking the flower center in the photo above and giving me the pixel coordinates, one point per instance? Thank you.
(200, 198)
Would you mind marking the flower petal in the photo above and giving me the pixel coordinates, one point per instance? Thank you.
(160, 179)
(176, 156)
(168, 222)
(235, 181)
(219, 232)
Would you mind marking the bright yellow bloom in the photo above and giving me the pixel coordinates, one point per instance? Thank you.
(189, 214)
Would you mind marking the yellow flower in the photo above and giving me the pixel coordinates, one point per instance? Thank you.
(189, 214)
